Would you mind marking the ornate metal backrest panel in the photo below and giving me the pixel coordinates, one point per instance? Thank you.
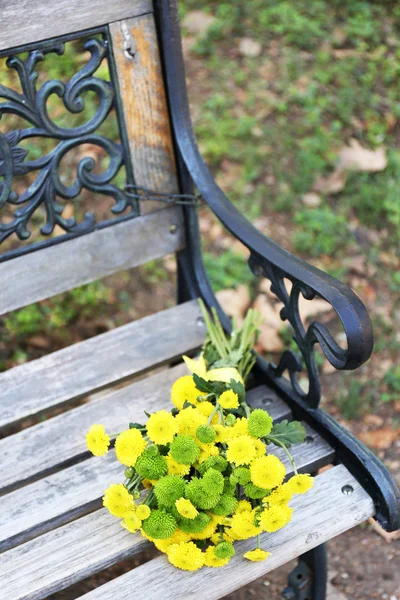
(62, 135)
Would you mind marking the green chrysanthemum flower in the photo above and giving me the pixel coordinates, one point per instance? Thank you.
(224, 550)
(196, 525)
(242, 475)
(230, 420)
(229, 487)
(226, 506)
(169, 489)
(199, 496)
(205, 434)
(259, 423)
(159, 525)
(255, 492)
(150, 464)
(184, 450)
(213, 481)
(219, 463)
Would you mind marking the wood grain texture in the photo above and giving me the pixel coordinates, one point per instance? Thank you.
(43, 274)
(144, 105)
(38, 449)
(73, 492)
(24, 22)
(82, 542)
(321, 514)
(99, 361)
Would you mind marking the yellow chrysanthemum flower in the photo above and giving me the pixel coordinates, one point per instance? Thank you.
(186, 509)
(129, 445)
(206, 408)
(224, 374)
(97, 440)
(211, 560)
(186, 556)
(207, 450)
(222, 433)
(267, 471)
(175, 468)
(216, 537)
(161, 427)
(275, 518)
(229, 399)
(244, 505)
(178, 537)
(118, 500)
(280, 496)
(300, 484)
(189, 419)
(239, 428)
(242, 525)
(198, 366)
(131, 522)
(206, 533)
(143, 512)
(257, 555)
(184, 390)
(260, 448)
(148, 483)
(241, 450)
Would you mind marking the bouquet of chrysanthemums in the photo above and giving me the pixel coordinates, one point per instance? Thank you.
(199, 477)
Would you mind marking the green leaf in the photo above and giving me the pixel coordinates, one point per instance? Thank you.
(136, 426)
(188, 404)
(202, 384)
(288, 433)
(238, 388)
(148, 415)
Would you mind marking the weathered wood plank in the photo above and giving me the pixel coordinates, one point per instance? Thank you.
(78, 261)
(82, 542)
(321, 514)
(99, 361)
(24, 22)
(144, 105)
(73, 492)
(38, 450)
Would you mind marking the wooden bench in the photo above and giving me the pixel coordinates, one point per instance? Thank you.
(53, 531)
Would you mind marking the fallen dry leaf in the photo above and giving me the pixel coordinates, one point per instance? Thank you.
(332, 184)
(39, 341)
(197, 22)
(311, 308)
(357, 158)
(249, 47)
(235, 302)
(381, 439)
(311, 200)
(269, 339)
(389, 537)
(374, 420)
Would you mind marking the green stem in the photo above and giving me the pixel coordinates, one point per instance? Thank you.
(214, 412)
(149, 498)
(274, 440)
(246, 409)
(258, 541)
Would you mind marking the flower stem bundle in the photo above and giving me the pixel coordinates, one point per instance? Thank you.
(199, 477)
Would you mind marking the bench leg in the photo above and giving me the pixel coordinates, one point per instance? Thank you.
(309, 579)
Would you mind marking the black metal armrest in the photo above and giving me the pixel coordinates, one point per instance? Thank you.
(268, 258)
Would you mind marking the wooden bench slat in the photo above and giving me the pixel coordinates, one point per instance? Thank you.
(73, 492)
(81, 542)
(23, 22)
(39, 275)
(38, 450)
(99, 361)
(321, 514)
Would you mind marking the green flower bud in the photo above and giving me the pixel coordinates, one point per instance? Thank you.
(226, 506)
(255, 492)
(169, 489)
(230, 420)
(199, 496)
(196, 525)
(205, 434)
(213, 481)
(184, 450)
(129, 472)
(159, 525)
(259, 423)
(150, 464)
(224, 550)
(219, 463)
(242, 475)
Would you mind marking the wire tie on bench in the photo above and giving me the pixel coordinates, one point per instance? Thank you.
(141, 193)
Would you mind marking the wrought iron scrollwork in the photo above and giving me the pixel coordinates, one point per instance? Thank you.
(31, 105)
(305, 339)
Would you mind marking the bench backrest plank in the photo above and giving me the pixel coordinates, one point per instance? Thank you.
(44, 19)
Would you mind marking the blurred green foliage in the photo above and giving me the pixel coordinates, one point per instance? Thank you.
(227, 270)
